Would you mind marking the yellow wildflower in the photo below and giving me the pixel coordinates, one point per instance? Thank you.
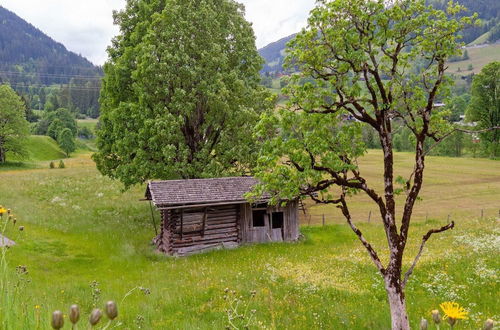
(453, 312)
(2, 210)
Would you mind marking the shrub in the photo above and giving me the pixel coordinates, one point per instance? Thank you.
(61, 164)
(52, 165)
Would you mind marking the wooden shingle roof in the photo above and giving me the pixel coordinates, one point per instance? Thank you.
(199, 191)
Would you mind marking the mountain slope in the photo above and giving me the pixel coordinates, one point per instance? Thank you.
(488, 11)
(28, 55)
(43, 71)
(274, 54)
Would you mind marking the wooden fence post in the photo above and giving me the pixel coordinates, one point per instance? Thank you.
(482, 213)
(369, 216)
(323, 220)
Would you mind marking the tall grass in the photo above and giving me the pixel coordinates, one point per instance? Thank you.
(81, 227)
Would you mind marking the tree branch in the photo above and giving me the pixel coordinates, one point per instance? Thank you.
(441, 139)
(368, 246)
(419, 254)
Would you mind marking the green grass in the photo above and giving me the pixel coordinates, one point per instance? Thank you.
(481, 39)
(89, 123)
(478, 57)
(39, 149)
(81, 227)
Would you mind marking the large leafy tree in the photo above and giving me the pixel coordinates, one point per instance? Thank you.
(181, 92)
(485, 106)
(359, 59)
(14, 128)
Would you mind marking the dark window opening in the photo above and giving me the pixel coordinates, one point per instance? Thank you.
(259, 218)
(260, 206)
(277, 220)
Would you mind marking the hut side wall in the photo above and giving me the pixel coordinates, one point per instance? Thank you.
(288, 232)
(194, 230)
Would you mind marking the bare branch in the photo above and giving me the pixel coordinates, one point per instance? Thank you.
(441, 139)
(368, 246)
(419, 254)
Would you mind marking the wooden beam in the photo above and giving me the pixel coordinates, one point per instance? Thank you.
(204, 222)
(180, 207)
(182, 222)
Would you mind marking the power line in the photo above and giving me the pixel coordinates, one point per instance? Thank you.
(51, 75)
(81, 88)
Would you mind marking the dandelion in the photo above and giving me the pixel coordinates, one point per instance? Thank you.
(95, 316)
(424, 325)
(489, 324)
(74, 314)
(436, 316)
(57, 320)
(111, 310)
(453, 312)
(2, 211)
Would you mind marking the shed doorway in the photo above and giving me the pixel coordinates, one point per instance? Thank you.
(277, 225)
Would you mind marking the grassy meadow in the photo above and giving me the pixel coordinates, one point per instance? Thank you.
(479, 56)
(80, 227)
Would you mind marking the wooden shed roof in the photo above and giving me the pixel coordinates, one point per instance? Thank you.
(199, 191)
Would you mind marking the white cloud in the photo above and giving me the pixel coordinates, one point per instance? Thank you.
(86, 27)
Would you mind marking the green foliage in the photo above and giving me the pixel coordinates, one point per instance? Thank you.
(61, 164)
(52, 165)
(345, 75)
(85, 133)
(457, 106)
(53, 122)
(14, 128)
(484, 107)
(181, 92)
(66, 141)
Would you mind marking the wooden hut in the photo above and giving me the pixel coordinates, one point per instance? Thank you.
(203, 214)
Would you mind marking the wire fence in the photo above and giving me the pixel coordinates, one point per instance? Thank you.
(314, 218)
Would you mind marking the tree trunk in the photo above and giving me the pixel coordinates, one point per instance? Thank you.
(2, 155)
(397, 302)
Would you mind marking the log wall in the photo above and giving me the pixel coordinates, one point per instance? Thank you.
(193, 230)
(189, 231)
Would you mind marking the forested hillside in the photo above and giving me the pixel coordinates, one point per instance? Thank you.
(274, 54)
(488, 11)
(44, 71)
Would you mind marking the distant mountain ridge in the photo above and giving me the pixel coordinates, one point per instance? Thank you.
(488, 11)
(26, 49)
(274, 55)
(43, 71)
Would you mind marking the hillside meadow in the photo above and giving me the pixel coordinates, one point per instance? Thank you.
(80, 227)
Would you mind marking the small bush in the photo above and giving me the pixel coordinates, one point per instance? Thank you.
(52, 165)
(61, 164)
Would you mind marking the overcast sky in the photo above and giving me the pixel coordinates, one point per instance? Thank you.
(86, 27)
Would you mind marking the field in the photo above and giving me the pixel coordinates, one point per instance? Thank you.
(81, 227)
(479, 56)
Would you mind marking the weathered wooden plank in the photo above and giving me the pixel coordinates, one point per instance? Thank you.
(208, 241)
(208, 231)
(205, 248)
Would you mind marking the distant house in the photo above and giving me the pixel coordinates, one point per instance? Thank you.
(203, 214)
